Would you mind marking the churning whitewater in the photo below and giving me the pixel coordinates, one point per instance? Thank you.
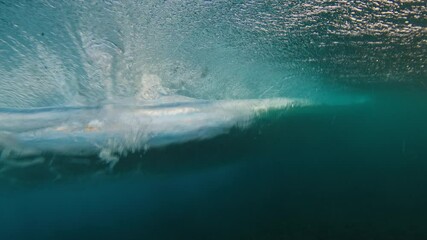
(113, 130)
(213, 119)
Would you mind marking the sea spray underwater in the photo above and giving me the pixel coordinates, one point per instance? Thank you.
(181, 69)
(114, 130)
(213, 119)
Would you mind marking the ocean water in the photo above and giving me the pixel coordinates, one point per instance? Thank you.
(213, 119)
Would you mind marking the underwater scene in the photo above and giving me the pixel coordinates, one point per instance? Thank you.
(213, 119)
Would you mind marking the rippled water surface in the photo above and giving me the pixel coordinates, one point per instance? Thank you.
(213, 119)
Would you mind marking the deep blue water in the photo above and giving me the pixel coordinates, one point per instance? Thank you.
(332, 172)
(349, 163)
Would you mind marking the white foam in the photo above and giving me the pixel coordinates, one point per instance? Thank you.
(117, 129)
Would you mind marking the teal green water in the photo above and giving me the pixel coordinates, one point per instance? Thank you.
(331, 172)
(350, 163)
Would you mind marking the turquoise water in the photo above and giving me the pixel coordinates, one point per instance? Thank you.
(314, 173)
(213, 120)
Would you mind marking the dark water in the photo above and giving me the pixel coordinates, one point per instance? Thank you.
(331, 172)
(354, 171)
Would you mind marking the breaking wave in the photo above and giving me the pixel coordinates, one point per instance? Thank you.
(105, 78)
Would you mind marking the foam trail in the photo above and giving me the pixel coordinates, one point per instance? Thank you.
(116, 129)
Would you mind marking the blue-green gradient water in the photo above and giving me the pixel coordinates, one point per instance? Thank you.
(213, 119)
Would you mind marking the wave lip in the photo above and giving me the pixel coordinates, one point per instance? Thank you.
(113, 130)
